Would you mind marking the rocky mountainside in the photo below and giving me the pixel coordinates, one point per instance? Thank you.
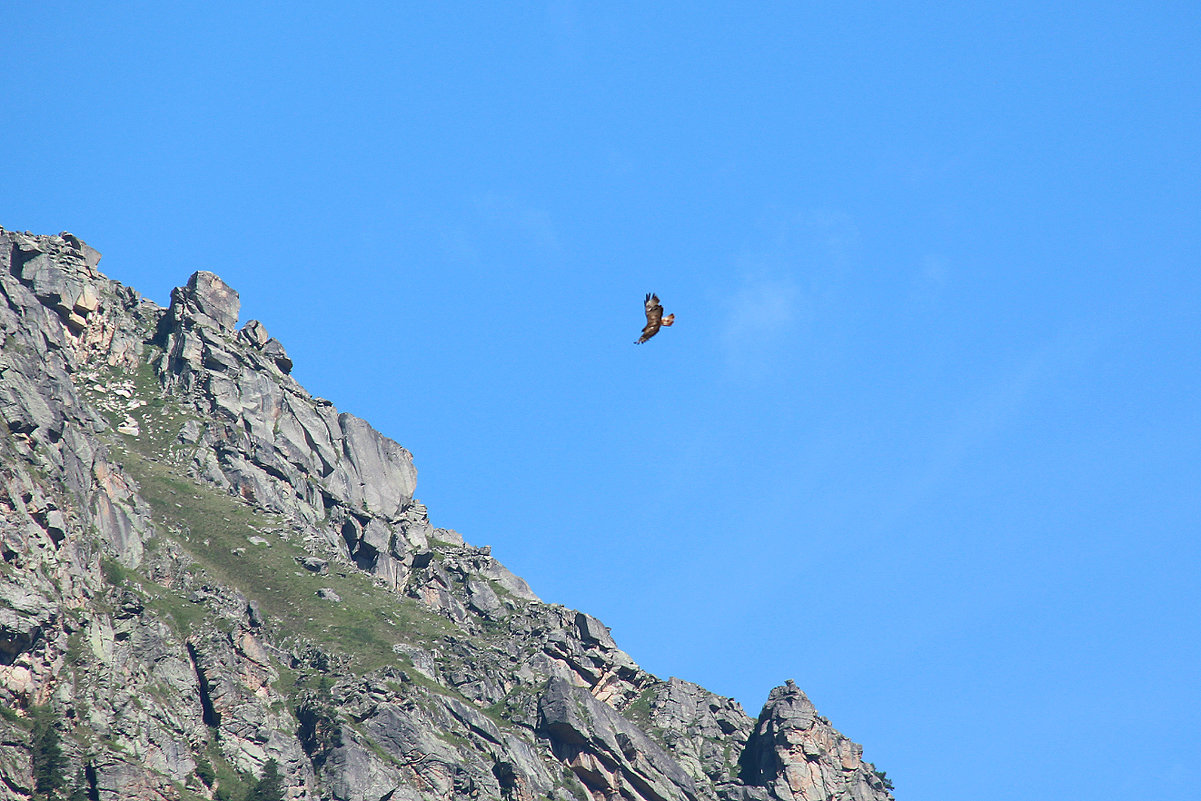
(208, 575)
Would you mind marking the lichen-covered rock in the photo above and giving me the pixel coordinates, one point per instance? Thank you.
(704, 732)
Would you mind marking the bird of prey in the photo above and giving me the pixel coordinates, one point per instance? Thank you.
(654, 318)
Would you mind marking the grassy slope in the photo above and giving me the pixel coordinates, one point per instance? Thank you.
(215, 529)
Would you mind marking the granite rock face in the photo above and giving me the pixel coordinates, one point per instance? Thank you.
(795, 754)
(205, 569)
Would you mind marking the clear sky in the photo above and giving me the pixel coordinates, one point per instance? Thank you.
(926, 436)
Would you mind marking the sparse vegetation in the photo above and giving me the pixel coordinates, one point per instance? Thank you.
(638, 711)
(574, 785)
(228, 783)
(204, 770)
(319, 731)
(80, 789)
(270, 786)
(183, 614)
(49, 764)
(113, 571)
(213, 526)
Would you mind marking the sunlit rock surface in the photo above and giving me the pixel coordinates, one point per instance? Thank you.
(204, 569)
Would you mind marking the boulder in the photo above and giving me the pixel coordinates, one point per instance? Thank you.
(275, 351)
(254, 333)
(592, 631)
(90, 255)
(214, 299)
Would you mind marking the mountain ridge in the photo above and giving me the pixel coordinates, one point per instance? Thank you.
(206, 569)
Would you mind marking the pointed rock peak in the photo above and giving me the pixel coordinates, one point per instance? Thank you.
(787, 690)
(210, 297)
(795, 754)
(788, 705)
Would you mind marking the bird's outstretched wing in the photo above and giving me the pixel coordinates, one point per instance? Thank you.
(654, 317)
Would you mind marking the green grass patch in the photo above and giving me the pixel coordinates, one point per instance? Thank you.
(183, 615)
(115, 573)
(159, 418)
(214, 528)
(227, 781)
(288, 681)
(638, 711)
(497, 712)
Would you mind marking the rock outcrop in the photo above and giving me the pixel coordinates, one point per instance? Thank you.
(205, 570)
(794, 753)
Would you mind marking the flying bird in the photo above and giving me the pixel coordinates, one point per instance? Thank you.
(654, 318)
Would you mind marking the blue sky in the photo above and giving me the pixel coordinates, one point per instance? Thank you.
(925, 435)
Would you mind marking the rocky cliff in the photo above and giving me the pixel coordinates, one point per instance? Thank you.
(208, 574)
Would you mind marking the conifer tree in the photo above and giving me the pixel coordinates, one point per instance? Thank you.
(270, 787)
(49, 764)
(80, 791)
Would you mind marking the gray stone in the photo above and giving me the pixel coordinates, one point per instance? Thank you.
(255, 333)
(608, 754)
(482, 598)
(275, 351)
(385, 472)
(356, 773)
(90, 255)
(214, 299)
(795, 753)
(314, 564)
(23, 402)
(593, 631)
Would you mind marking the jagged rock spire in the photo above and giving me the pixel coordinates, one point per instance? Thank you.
(796, 755)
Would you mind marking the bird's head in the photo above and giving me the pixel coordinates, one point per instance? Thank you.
(669, 319)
